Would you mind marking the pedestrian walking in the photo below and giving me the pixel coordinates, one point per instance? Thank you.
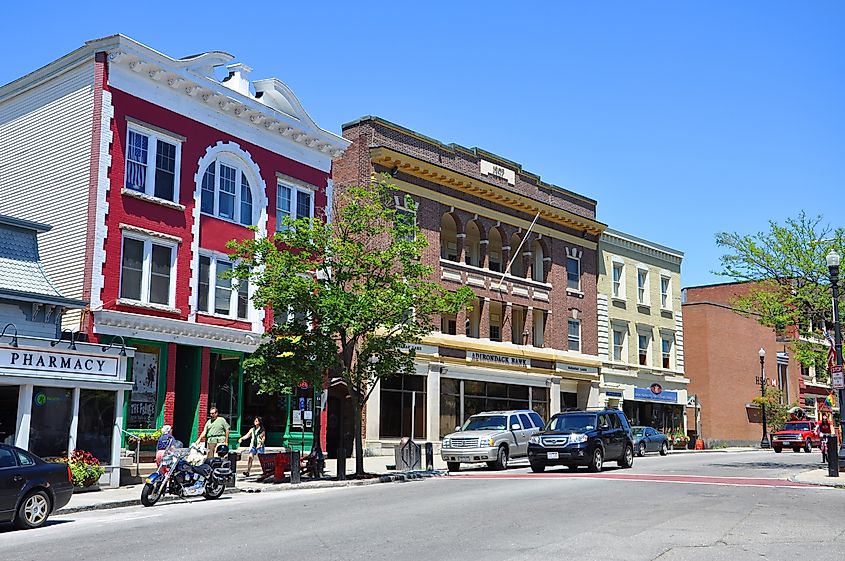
(163, 443)
(215, 432)
(256, 436)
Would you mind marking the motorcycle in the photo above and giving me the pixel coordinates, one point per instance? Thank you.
(184, 472)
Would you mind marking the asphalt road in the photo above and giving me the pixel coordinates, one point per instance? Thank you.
(714, 506)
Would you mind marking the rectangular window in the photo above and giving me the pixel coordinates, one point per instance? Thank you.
(282, 204)
(617, 281)
(642, 348)
(223, 289)
(146, 271)
(303, 205)
(205, 268)
(666, 351)
(246, 202)
(226, 199)
(618, 344)
(539, 327)
(207, 196)
(664, 292)
(49, 423)
(292, 202)
(574, 335)
(403, 406)
(221, 299)
(642, 286)
(148, 150)
(573, 273)
(448, 325)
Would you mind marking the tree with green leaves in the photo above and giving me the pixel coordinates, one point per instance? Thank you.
(790, 283)
(777, 412)
(352, 295)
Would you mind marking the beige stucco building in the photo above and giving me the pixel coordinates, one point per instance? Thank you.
(640, 331)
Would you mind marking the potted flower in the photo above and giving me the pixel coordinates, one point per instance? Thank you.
(679, 438)
(85, 469)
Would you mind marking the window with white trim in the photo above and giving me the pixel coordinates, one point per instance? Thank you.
(152, 163)
(666, 351)
(573, 273)
(574, 335)
(293, 202)
(618, 345)
(643, 340)
(642, 286)
(665, 288)
(225, 191)
(147, 271)
(618, 280)
(219, 294)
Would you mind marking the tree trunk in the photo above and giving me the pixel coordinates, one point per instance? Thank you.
(359, 444)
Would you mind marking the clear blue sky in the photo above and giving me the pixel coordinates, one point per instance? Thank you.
(680, 118)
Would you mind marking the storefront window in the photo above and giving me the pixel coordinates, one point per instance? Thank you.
(142, 400)
(540, 402)
(49, 427)
(272, 408)
(8, 413)
(401, 397)
(663, 417)
(224, 387)
(492, 396)
(450, 405)
(96, 422)
(568, 400)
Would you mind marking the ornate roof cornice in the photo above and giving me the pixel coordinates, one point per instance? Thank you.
(639, 245)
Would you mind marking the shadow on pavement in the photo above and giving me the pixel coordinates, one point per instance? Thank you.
(8, 527)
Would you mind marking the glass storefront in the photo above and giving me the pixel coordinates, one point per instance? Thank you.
(224, 385)
(51, 414)
(661, 416)
(8, 413)
(401, 397)
(96, 421)
(146, 369)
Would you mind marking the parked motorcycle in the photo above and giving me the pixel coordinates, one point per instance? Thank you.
(185, 473)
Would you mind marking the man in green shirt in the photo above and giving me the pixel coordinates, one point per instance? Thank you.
(216, 431)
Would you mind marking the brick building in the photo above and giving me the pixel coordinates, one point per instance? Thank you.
(722, 362)
(531, 339)
(147, 165)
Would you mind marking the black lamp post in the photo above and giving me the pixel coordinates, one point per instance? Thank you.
(833, 267)
(764, 443)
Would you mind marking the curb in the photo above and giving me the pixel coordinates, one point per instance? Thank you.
(388, 478)
(795, 479)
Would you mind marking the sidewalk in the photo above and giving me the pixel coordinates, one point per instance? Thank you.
(820, 477)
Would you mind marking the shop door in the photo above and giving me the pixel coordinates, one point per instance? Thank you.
(339, 421)
(187, 393)
(8, 413)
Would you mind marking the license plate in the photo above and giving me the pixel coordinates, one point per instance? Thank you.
(553, 455)
(464, 458)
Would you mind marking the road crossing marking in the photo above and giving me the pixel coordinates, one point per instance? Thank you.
(730, 481)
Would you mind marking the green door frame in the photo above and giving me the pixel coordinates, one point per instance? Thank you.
(235, 429)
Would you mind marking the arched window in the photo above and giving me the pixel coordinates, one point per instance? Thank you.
(537, 261)
(517, 268)
(494, 250)
(226, 191)
(448, 238)
(472, 245)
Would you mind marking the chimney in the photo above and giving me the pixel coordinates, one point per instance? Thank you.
(238, 78)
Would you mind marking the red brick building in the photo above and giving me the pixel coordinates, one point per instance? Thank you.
(723, 365)
(147, 165)
(531, 339)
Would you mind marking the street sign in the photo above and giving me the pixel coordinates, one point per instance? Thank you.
(837, 378)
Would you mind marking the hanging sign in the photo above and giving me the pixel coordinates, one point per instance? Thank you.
(837, 379)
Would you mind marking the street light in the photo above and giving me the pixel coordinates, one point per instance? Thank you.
(833, 267)
(764, 443)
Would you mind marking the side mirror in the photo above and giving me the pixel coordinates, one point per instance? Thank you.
(457, 429)
(516, 426)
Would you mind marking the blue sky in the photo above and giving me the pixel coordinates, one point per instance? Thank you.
(681, 119)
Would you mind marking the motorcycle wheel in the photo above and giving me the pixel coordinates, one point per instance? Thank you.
(214, 490)
(150, 494)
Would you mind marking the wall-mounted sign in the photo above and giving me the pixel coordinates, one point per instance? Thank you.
(489, 168)
(613, 394)
(656, 393)
(420, 349)
(142, 404)
(499, 359)
(576, 368)
(31, 362)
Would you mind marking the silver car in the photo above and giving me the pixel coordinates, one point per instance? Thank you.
(493, 437)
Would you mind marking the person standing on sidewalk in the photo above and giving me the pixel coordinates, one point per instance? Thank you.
(215, 432)
(256, 436)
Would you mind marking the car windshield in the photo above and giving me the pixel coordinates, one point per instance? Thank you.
(796, 426)
(486, 422)
(638, 431)
(573, 423)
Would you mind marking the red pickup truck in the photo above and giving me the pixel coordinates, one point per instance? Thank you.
(798, 435)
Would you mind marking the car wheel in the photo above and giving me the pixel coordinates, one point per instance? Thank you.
(664, 449)
(627, 458)
(641, 450)
(538, 468)
(777, 449)
(453, 466)
(33, 511)
(501, 460)
(808, 446)
(597, 460)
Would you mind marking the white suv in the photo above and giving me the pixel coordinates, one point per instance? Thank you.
(493, 437)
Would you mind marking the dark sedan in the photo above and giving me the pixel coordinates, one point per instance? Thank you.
(30, 488)
(647, 439)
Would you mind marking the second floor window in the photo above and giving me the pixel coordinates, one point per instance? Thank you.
(666, 351)
(147, 271)
(642, 348)
(225, 192)
(294, 203)
(618, 344)
(219, 294)
(574, 335)
(152, 164)
(573, 273)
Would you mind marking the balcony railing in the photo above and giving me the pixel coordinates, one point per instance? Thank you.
(491, 280)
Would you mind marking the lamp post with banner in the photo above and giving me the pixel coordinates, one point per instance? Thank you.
(836, 371)
(764, 442)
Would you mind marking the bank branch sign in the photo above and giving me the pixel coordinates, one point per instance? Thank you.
(655, 392)
(32, 362)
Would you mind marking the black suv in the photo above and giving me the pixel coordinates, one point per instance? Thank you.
(583, 438)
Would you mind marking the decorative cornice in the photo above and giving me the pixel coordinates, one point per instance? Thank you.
(150, 233)
(454, 180)
(638, 245)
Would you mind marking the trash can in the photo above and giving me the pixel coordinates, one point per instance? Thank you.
(233, 465)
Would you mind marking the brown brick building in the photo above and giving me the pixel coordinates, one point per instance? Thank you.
(531, 339)
(723, 364)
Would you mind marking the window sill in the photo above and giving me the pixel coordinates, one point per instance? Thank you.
(229, 220)
(147, 306)
(221, 316)
(151, 199)
(667, 310)
(574, 292)
(618, 300)
(644, 305)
